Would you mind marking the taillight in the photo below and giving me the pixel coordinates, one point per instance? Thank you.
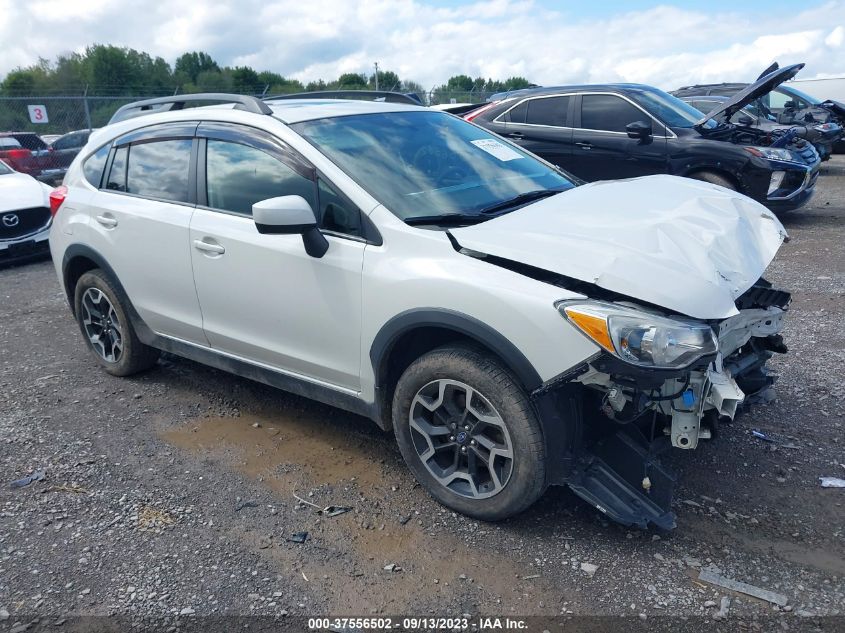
(18, 154)
(57, 197)
(471, 115)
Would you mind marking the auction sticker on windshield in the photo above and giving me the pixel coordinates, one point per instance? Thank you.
(495, 148)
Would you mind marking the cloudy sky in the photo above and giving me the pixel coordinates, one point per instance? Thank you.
(665, 44)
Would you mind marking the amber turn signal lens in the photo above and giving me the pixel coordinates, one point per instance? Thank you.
(593, 326)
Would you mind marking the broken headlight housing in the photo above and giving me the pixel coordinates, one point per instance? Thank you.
(641, 338)
(774, 153)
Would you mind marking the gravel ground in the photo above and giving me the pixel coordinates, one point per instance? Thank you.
(172, 493)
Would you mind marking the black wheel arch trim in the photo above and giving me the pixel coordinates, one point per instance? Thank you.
(142, 331)
(458, 322)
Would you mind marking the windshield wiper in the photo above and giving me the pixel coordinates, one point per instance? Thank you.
(518, 200)
(450, 219)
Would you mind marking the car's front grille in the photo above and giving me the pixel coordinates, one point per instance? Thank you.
(23, 222)
(761, 296)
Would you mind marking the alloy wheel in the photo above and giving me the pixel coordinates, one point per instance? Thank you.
(461, 439)
(102, 326)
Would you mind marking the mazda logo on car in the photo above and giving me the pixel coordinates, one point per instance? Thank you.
(10, 220)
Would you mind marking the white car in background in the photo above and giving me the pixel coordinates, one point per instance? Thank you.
(512, 329)
(25, 216)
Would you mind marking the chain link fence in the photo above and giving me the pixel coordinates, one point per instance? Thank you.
(60, 114)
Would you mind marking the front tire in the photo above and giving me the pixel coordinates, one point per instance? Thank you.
(467, 431)
(102, 315)
(715, 179)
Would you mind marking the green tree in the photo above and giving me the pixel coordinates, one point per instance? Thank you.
(352, 81)
(245, 80)
(194, 63)
(387, 80)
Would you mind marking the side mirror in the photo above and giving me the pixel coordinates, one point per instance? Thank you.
(744, 119)
(638, 129)
(287, 215)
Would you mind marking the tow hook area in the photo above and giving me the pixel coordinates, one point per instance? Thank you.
(621, 476)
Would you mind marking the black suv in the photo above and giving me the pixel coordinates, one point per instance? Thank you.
(610, 131)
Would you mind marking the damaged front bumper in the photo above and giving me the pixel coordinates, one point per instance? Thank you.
(625, 416)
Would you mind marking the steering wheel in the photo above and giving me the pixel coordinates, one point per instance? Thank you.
(434, 163)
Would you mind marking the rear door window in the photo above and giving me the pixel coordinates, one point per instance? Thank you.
(609, 113)
(159, 169)
(548, 111)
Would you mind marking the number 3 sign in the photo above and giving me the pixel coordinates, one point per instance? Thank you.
(37, 113)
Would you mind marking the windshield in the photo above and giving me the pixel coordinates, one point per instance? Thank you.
(422, 163)
(671, 110)
(800, 95)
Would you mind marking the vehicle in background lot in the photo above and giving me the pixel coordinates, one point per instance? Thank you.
(31, 157)
(833, 88)
(63, 150)
(823, 136)
(512, 329)
(25, 216)
(15, 156)
(456, 108)
(612, 131)
(787, 103)
(49, 138)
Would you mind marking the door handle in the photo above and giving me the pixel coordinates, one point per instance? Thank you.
(517, 135)
(584, 145)
(107, 221)
(209, 247)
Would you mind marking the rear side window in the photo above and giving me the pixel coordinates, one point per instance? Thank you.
(159, 169)
(92, 168)
(238, 176)
(117, 175)
(517, 114)
(704, 106)
(608, 113)
(548, 111)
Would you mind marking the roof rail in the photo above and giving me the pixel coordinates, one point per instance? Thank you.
(166, 104)
(362, 95)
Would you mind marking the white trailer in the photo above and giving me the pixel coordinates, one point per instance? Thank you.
(823, 89)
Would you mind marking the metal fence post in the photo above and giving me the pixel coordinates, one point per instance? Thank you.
(87, 110)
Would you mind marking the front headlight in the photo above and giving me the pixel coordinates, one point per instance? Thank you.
(640, 338)
(773, 153)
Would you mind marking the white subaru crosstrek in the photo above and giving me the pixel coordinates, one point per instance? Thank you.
(513, 327)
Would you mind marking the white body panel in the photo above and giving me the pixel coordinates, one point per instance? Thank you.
(694, 249)
(266, 301)
(148, 248)
(22, 191)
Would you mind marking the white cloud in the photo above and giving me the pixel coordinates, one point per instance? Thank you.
(665, 46)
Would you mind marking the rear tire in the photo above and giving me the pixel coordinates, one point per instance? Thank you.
(467, 431)
(715, 179)
(102, 314)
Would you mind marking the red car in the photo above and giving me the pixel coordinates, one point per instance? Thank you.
(26, 152)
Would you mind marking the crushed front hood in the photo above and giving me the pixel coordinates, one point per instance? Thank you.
(763, 86)
(685, 245)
